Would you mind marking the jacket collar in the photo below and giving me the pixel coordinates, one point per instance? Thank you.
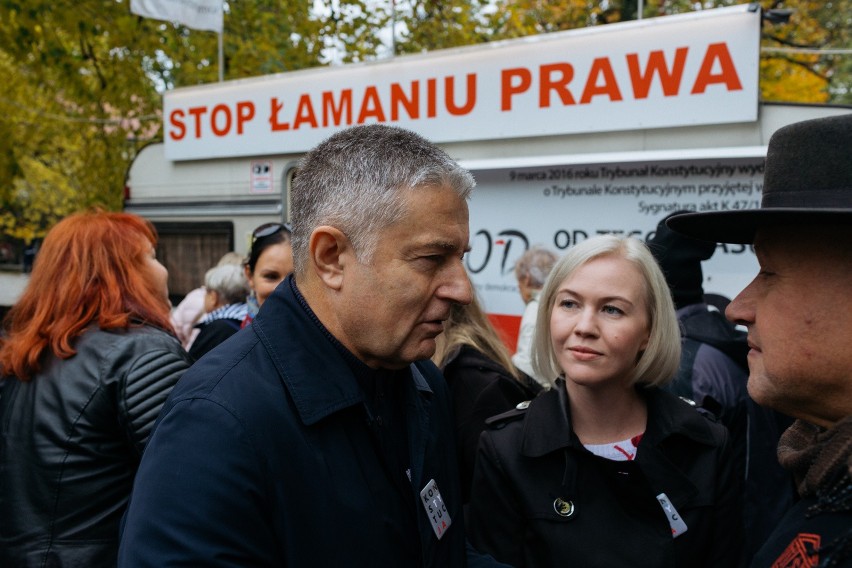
(671, 415)
(313, 371)
(547, 426)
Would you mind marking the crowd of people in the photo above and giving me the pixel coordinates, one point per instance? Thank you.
(339, 397)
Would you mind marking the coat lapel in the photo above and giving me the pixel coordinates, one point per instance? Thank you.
(418, 400)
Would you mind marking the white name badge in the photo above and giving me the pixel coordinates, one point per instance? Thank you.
(433, 503)
(675, 520)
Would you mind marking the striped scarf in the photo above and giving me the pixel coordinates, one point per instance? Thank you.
(821, 463)
(230, 311)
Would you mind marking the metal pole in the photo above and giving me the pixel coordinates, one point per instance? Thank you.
(640, 10)
(393, 28)
(221, 59)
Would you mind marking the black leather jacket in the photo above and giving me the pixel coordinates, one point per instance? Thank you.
(70, 443)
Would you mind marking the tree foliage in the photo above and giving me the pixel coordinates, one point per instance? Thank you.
(430, 25)
(53, 156)
(518, 18)
(72, 115)
(808, 77)
(88, 77)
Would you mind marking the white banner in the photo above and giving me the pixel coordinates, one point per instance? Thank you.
(196, 14)
(688, 69)
(558, 206)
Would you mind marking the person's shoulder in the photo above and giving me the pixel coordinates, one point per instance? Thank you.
(714, 361)
(141, 337)
(216, 331)
(226, 323)
(159, 344)
(807, 526)
(511, 418)
(148, 332)
(504, 433)
(471, 361)
(234, 387)
(680, 416)
(138, 359)
(235, 368)
(718, 376)
(544, 406)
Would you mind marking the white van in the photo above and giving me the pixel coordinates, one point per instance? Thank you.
(569, 134)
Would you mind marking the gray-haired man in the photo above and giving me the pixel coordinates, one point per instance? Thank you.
(318, 435)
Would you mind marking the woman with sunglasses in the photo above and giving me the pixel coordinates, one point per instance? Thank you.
(269, 261)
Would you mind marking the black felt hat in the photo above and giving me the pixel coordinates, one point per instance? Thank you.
(808, 179)
(680, 259)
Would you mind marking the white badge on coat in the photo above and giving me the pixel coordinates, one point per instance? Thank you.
(675, 520)
(433, 503)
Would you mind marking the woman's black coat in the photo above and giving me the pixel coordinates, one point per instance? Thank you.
(480, 388)
(540, 499)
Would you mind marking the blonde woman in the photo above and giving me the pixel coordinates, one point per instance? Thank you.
(605, 468)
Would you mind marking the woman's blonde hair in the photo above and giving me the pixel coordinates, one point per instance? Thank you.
(658, 363)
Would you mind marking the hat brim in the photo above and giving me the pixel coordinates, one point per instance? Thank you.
(739, 227)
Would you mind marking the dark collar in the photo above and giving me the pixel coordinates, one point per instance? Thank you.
(547, 425)
(547, 428)
(315, 368)
(367, 376)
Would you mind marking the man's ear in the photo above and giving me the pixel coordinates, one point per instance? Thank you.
(330, 250)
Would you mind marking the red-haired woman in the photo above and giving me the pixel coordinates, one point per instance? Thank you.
(87, 359)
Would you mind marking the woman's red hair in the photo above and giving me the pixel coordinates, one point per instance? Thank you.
(90, 271)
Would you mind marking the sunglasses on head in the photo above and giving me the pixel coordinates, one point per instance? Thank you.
(268, 229)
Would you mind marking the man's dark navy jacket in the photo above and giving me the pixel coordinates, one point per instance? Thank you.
(263, 457)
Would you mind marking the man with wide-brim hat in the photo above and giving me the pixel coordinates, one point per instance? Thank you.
(798, 313)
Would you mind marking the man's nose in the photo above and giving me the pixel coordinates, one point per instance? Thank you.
(457, 287)
(741, 309)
